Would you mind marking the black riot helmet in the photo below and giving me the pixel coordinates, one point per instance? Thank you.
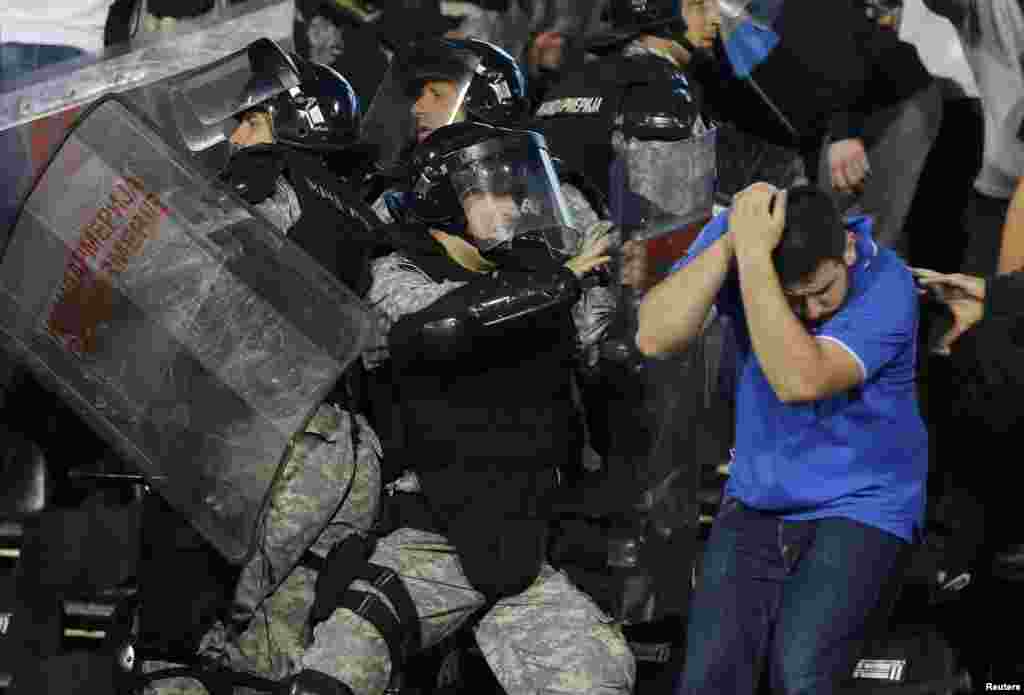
(631, 18)
(439, 82)
(497, 93)
(499, 181)
(646, 16)
(495, 86)
(311, 105)
(322, 113)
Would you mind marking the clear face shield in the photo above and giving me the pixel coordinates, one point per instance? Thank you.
(505, 187)
(205, 103)
(422, 91)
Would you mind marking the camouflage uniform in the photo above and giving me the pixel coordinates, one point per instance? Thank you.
(328, 489)
(551, 638)
(282, 207)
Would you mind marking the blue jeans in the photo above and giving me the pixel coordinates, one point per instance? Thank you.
(796, 597)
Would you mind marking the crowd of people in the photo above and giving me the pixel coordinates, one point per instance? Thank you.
(559, 218)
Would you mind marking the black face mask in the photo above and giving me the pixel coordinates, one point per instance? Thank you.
(252, 172)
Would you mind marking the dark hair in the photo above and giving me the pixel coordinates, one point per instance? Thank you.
(814, 233)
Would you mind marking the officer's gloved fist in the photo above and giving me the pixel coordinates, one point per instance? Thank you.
(309, 682)
(594, 255)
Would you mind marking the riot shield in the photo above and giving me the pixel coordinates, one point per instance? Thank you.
(182, 327)
(664, 190)
(659, 421)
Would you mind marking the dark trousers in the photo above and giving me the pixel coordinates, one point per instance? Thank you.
(797, 597)
(983, 220)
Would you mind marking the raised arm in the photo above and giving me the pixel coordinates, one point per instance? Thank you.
(673, 311)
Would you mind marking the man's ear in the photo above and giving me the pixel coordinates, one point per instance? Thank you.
(850, 252)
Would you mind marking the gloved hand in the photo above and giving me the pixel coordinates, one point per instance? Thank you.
(593, 256)
(252, 172)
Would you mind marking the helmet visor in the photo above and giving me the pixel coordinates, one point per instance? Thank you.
(423, 90)
(508, 189)
(205, 101)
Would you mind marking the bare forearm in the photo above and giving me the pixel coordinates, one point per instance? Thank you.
(1011, 252)
(788, 355)
(674, 310)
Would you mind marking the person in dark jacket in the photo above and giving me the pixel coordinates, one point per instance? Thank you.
(985, 349)
(869, 69)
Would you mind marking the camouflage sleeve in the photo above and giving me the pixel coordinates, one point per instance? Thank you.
(595, 310)
(582, 213)
(399, 287)
(380, 207)
(282, 208)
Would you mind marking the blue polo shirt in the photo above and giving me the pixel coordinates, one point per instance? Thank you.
(861, 454)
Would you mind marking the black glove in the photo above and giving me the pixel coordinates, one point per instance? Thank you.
(252, 172)
(491, 305)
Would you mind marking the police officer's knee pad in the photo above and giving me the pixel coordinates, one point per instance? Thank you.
(310, 682)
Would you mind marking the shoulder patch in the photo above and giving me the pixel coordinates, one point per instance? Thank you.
(571, 105)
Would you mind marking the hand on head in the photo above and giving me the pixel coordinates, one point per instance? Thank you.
(757, 218)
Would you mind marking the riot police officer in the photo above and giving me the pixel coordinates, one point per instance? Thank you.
(283, 119)
(449, 81)
(641, 76)
(482, 342)
(634, 121)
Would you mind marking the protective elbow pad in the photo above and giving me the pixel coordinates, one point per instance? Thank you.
(446, 329)
(522, 294)
(443, 334)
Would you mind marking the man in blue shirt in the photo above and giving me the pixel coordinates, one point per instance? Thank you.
(827, 485)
